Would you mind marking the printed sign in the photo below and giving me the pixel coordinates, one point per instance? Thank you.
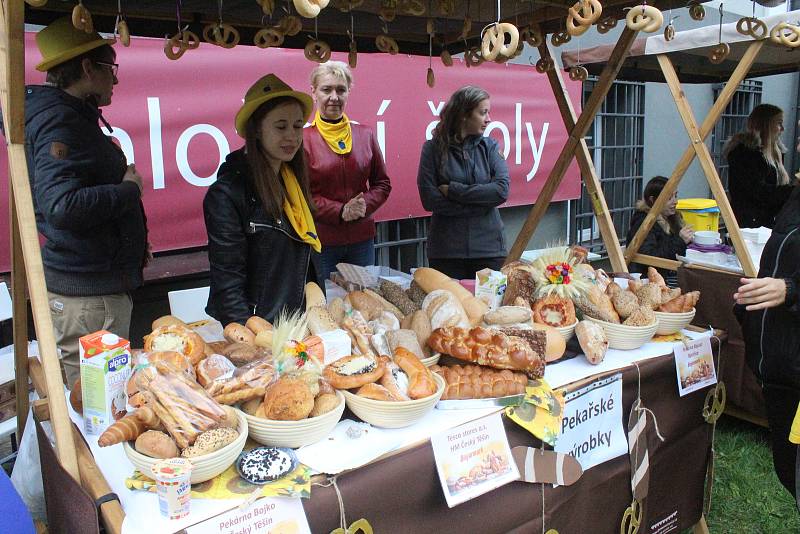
(591, 429)
(473, 459)
(694, 363)
(267, 515)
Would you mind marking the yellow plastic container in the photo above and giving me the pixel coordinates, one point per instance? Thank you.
(701, 213)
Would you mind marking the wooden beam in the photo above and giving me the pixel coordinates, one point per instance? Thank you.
(724, 98)
(661, 263)
(591, 108)
(588, 172)
(707, 164)
(700, 527)
(13, 106)
(19, 299)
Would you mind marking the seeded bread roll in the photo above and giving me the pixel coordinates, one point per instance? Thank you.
(395, 294)
(210, 441)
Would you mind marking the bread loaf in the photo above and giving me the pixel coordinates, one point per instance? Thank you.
(405, 339)
(257, 325)
(337, 310)
(421, 325)
(444, 309)
(324, 403)
(521, 283)
(156, 444)
(387, 306)
(554, 311)
(314, 296)
(489, 347)
(167, 320)
(596, 304)
(431, 280)
(237, 333)
(319, 320)
(395, 294)
(507, 315)
(593, 341)
(476, 382)
(288, 399)
(369, 307)
(544, 339)
(176, 338)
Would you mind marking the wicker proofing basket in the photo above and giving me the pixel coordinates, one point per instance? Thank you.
(295, 433)
(433, 360)
(207, 466)
(387, 414)
(567, 331)
(669, 323)
(626, 337)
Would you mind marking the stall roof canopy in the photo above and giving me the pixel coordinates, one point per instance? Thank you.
(690, 51)
(155, 18)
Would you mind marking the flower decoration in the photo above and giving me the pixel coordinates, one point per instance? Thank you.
(298, 349)
(554, 272)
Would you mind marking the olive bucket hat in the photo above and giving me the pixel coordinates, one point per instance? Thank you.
(61, 41)
(265, 89)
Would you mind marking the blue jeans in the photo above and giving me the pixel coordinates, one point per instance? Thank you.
(361, 253)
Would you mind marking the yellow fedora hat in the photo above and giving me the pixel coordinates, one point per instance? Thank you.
(265, 89)
(61, 41)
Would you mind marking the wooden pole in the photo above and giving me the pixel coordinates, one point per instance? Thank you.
(20, 322)
(591, 108)
(688, 156)
(12, 99)
(588, 172)
(707, 163)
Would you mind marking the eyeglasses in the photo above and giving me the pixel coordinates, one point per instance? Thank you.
(113, 66)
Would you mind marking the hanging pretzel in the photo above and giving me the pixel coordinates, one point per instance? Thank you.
(531, 35)
(82, 19)
(544, 65)
(719, 53)
(268, 37)
(697, 12)
(644, 18)
(560, 37)
(669, 32)
(175, 46)
(352, 55)
(317, 51)
(582, 15)
(124, 33)
(386, 44)
(414, 7)
(575, 30)
(447, 7)
(473, 57)
(221, 34)
(447, 59)
(785, 34)
(36, 3)
(494, 41)
(290, 25)
(431, 78)
(752, 26)
(310, 8)
(606, 24)
(267, 6)
(578, 74)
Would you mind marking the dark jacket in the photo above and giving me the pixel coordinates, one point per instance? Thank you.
(94, 222)
(661, 241)
(259, 265)
(466, 223)
(772, 336)
(756, 196)
(336, 178)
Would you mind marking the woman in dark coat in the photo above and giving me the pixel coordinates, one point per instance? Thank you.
(669, 235)
(758, 182)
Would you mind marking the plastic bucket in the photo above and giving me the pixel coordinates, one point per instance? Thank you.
(700, 213)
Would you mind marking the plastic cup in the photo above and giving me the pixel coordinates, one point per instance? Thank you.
(173, 486)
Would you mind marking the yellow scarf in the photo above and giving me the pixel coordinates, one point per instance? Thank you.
(296, 209)
(339, 135)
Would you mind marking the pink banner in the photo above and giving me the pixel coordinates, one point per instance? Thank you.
(174, 119)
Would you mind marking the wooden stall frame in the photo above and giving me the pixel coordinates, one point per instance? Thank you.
(697, 148)
(73, 453)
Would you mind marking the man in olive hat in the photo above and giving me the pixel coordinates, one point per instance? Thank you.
(86, 196)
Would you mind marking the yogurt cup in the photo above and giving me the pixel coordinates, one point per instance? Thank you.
(173, 486)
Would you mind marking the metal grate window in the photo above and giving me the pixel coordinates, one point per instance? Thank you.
(401, 244)
(733, 120)
(616, 143)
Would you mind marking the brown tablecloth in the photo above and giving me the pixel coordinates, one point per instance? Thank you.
(715, 308)
(402, 493)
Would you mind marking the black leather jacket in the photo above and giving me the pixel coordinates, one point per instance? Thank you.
(259, 265)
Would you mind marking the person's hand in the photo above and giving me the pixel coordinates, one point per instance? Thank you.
(687, 234)
(355, 208)
(444, 188)
(761, 293)
(131, 175)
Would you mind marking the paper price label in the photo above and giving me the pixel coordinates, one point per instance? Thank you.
(694, 364)
(267, 515)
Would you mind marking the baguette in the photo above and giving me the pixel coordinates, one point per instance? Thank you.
(257, 325)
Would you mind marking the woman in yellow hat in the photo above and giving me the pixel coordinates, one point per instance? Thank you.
(262, 242)
(87, 197)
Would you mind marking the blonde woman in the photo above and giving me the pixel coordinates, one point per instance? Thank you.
(758, 182)
(346, 171)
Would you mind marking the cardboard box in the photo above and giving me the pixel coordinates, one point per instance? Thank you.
(105, 368)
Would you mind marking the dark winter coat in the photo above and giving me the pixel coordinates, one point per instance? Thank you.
(93, 222)
(756, 196)
(772, 336)
(466, 223)
(259, 265)
(661, 241)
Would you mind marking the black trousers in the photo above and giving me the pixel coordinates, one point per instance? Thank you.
(465, 268)
(781, 407)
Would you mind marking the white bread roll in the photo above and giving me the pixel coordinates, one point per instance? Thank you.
(319, 320)
(431, 280)
(314, 296)
(444, 309)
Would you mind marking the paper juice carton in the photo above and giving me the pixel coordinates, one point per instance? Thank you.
(490, 286)
(105, 368)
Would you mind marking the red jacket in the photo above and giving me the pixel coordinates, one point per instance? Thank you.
(336, 178)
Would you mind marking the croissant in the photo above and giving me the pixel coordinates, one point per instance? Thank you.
(595, 303)
(681, 304)
(148, 417)
(655, 277)
(126, 429)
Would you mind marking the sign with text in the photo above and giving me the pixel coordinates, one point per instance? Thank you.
(266, 515)
(694, 363)
(174, 119)
(591, 429)
(473, 459)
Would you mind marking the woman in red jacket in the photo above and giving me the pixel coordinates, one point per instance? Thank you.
(346, 169)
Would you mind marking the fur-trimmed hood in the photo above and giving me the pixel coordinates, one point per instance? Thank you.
(642, 206)
(748, 139)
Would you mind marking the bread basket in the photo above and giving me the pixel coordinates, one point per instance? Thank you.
(567, 331)
(669, 323)
(295, 433)
(433, 360)
(624, 337)
(207, 466)
(387, 414)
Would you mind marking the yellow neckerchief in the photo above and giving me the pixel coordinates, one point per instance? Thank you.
(338, 135)
(296, 209)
